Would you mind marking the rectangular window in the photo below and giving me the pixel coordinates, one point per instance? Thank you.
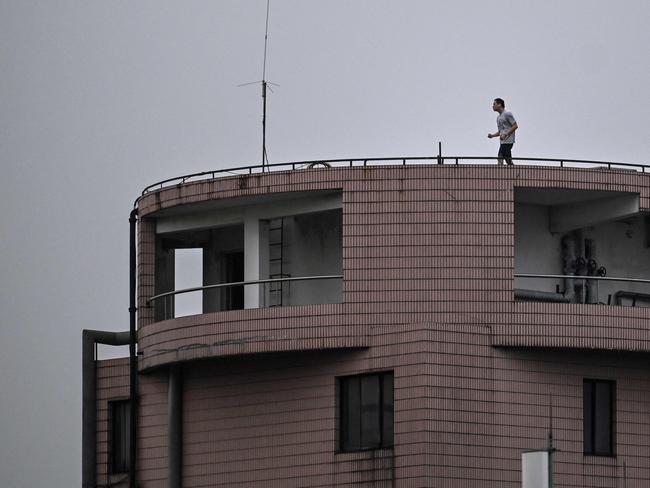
(599, 400)
(120, 436)
(366, 411)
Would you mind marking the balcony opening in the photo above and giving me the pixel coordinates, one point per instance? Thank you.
(304, 246)
(223, 263)
(267, 251)
(195, 259)
(579, 246)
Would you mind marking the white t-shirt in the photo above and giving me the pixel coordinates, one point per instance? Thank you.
(505, 121)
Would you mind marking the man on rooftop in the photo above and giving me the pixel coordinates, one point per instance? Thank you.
(506, 125)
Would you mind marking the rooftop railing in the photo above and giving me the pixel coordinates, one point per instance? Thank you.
(167, 299)
(393, 161)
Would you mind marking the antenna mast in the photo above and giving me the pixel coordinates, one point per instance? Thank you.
(265, 159)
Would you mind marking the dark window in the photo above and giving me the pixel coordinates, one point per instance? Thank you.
(234, 272)
(366, 411)
(599, 417)
(119, 436)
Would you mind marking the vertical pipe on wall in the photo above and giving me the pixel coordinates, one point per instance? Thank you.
(569, 257)
(175, 426)
(592, 268)
(133, 359)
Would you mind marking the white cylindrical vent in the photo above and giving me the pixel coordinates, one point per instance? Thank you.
(534, 469)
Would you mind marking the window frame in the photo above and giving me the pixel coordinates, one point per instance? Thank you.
(591, 429)
(121, 467)
(383, 430)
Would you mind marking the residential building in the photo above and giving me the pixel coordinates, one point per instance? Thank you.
(393, 323)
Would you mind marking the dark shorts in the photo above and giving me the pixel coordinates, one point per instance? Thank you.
(505, 151)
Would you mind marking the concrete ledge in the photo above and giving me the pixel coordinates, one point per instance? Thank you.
(242, 332)
(575, 326)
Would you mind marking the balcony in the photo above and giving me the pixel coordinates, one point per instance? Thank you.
(579, 246)
(257, 253)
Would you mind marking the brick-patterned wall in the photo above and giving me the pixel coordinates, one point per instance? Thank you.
(270, 420)
(152, 430)
(112, 384)
(464, 412)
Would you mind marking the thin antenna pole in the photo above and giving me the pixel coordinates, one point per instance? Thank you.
(266, 37)
(264, 158)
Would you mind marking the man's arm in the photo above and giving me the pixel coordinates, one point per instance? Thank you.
(490, 136)
(508, 132)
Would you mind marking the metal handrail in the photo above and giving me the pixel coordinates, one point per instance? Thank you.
(241, 283)
(581, 277)
(363, 162)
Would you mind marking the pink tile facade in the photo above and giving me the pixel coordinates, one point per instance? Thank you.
(112, 384)
(428, 260)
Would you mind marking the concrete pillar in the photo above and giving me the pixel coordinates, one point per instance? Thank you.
(164, 281)
(256, 259)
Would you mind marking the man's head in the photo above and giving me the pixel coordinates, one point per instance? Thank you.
(498, 105)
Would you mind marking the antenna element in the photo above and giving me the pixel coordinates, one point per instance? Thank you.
(265, 159)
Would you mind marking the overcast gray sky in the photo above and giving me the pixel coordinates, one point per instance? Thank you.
(98, 99)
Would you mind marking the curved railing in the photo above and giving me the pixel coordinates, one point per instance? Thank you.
(392, 161)
(168, 297)
(620, 297)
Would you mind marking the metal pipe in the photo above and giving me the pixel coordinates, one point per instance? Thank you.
(540, 296)
(243, 283)
(175, 426)
(569, 257)
(600, 278)
(89, 399)
(133, 358)
(591, 287)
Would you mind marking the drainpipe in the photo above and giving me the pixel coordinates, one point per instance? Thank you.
(592, 269)
(175, 427)
(570, 258)
(89, 399)
(133, 361)
(539, 296)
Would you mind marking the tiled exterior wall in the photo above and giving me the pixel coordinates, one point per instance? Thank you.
(152, 430)
(428, 258)
(112, 384)
(464, 413)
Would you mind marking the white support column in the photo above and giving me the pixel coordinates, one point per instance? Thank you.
(255, 259)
